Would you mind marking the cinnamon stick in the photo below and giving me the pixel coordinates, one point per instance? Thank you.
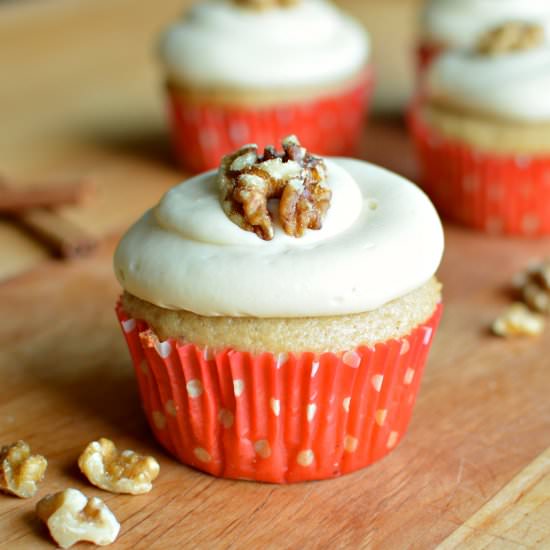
(16, 199)
(60, 235)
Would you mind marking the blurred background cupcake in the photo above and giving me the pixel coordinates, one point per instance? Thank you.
(459, 23)
(482, 132)
(241, 71)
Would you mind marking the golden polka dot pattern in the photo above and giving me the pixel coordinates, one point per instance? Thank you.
(170, 408)
(262, 448)
(226, 418)
(305, 458)
(194, 388)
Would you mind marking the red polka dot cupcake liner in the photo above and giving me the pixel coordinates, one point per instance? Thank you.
(425, 55)
(278, 418)
(495, 193)
(332, 125)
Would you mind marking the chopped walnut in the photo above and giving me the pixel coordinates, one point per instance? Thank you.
(21, 472)
(518, 320)
(536, 297)
(265, 4)
(117, 472)
(247, 181)
(534, 286)
(71, 517)
(541, 274)
(513, 36)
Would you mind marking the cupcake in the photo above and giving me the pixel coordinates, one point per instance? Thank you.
(279, 313)
(241, 71)
(458, 24)
(482, 132)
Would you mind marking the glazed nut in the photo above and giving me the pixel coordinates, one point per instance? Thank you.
(118, 472)
(533, 286)
(21, 472)
(248, 180)
(541, 274)
(71, 517)
(265, 4)
(518, 320)
(536, 297)
(510, 37)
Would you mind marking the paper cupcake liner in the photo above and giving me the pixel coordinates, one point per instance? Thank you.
(277, 418)
(495, 193)
(330, 125)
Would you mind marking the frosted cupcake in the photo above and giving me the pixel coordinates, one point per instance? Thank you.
(282, 340)
(482, 132)
(458, 24)
(257, 70)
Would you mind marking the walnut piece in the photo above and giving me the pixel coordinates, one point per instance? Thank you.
(513, 36)
(518, 320)
(21, 472)
(117, 472)
(71, 517)
(533, 286)
(265, 4)
(247, 181)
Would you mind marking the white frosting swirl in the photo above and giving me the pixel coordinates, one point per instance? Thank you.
(513, 86)
(381, 239)
(459, 23)
(222, 44)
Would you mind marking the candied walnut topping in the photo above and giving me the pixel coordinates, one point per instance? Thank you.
(21, 472)
(247, 181)
(534, 286)
(513, 36)
(115, 471)
(518, 320)
(71, 517)
(265, 4)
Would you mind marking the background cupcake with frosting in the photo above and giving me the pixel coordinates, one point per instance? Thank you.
(452, 24)
(253, 71)
(279, 313)
(482, 132)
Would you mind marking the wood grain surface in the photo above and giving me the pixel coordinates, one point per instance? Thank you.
(474, 469)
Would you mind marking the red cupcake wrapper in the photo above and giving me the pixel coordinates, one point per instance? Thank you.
(330, 125)
(278, 418)
(499, 194)
(425, 54)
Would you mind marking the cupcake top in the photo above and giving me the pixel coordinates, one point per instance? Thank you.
(506, 75)
(377, 239)
(231, 43)
(459, 23)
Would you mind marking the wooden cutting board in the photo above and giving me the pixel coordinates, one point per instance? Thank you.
(474, 469)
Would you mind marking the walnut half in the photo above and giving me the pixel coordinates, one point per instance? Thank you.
(534, 286)
(115, 471)
(513, 36)
(71, 517)
(21, 472)
(265, 4)
(518, 320)
(247, 181)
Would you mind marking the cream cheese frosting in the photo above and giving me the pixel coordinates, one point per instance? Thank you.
(381, 239)
(514, 86)
(219, 43)
(459, 23)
